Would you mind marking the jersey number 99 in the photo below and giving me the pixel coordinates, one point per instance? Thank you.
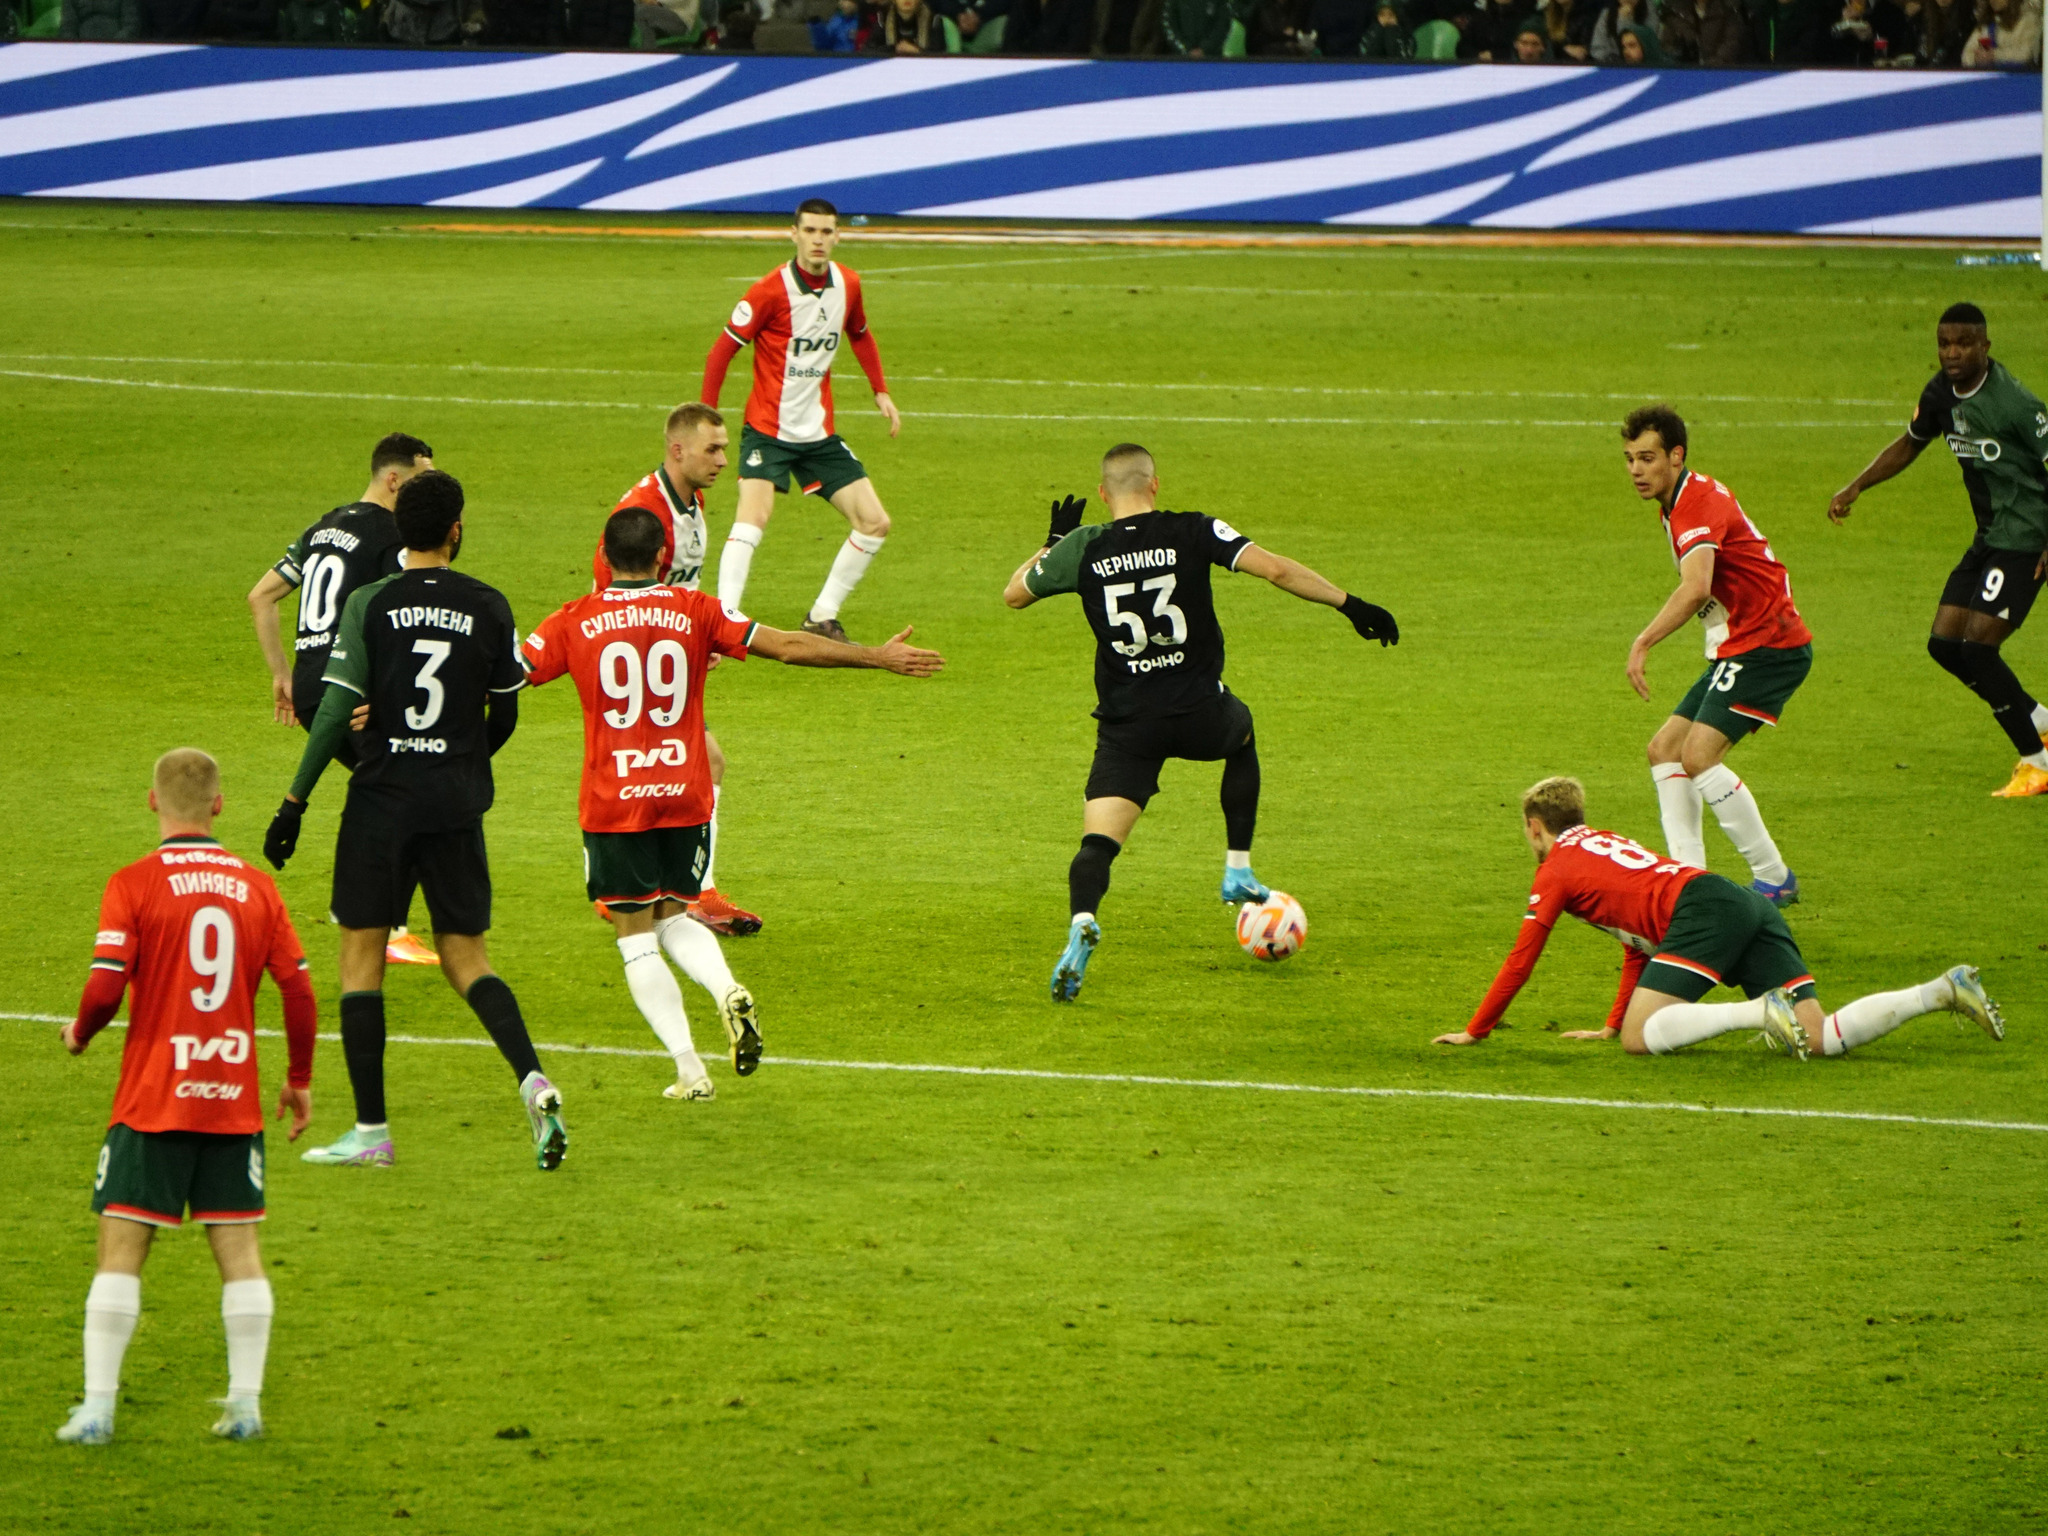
(624, 676)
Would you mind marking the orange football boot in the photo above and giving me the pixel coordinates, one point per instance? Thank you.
(721, 916)
(403, 949)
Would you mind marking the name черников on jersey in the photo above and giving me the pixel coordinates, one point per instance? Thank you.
(434, 618)
(1136, 560)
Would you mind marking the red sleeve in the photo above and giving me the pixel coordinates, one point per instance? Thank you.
(1698, 520)
(723, 351)
(728, 634)
(1546, 904)
(287, 966)
(870, 357)
(1632, 962)
(113, 954)
(545, 653)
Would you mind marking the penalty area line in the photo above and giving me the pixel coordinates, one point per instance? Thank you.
(1241, 1085)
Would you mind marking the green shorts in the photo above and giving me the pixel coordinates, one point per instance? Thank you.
(156, 1176)
(1724, 936)
(636, 869)
(824, 468)
(1738, 695)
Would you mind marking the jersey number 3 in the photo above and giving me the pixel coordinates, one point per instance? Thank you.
(1162, 608)
(436, 654)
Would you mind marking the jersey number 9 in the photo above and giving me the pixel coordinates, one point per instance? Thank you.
(625, 677)
(212, 962)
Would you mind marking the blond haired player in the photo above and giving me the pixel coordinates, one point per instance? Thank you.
(793, 318)
(694, 442)
(1684, 932)
(190, 929)
(638, 651)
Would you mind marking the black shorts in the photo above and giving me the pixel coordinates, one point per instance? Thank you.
(1130, 753)
(630, 870)
(384, 851)
(345, 754)
(2000, 582)
(155, 1177)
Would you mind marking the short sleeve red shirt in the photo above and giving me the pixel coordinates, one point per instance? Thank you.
(682, 529)
(638, 655)
(1752, 606)
(193, 929)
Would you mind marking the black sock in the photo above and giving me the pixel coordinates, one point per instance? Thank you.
(1088, 875)
(362, 1047)
(2011, 705)
(1241, 796)
(1949, 656)
(498, 1010)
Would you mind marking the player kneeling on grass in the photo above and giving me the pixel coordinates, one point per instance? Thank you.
(1143, 581)
(191, 928)
(638, 651)
(429, 660)
(1685, 931)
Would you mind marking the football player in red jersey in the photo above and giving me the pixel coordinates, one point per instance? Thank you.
(638, 651)
(1684, 932)
(191, 929)
(793, 318)
(1758, 651)
(694, 443)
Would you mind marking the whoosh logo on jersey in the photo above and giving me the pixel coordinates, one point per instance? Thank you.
(670, 754)
(231, 1048)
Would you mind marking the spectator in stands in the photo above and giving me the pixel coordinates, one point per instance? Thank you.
(1498, 24)
(910, 28)
(1531, 46)
(1939, 28)
(2008, 35)
(1639, 47)
(1340, 26)
(101, 21)
(1388, 38)
(663, 22)
(1568, 28)
(1708, 32)
(1616, 14)
(1865, 34)
(1786, 32)
(1195, 29)
(838, 32)
(980, 23)
(736, 28)
(1278, 27)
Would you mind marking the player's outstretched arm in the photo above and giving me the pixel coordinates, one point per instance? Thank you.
(1900, 452)
(1695, 586)
(1066, 517)
(1370, 620)
(263, 600)
(797, 649)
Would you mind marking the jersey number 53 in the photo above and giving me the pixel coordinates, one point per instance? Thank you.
(1132, 620)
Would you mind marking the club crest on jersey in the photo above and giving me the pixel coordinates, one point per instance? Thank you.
(754, 459)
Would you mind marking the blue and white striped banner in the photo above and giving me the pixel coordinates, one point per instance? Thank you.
(1505, 147)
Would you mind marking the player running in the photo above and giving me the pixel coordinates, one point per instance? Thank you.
(1997, 430)
(423, 651)
(352, 545)
(1684, 932)
(1143, 581)
(693, 454)
(638, 651)
(192, 929)
(1759, 651)
(794, 318)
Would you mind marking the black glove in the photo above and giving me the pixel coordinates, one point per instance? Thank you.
(1066, 517)
(282, 840)
(1371, 621)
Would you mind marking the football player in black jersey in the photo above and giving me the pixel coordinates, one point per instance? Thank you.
(1143, 581)
(432, 654)
(351, 545)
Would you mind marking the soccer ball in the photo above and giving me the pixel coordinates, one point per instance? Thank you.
(1271, 929)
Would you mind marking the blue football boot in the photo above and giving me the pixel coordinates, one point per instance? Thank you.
(1082, 938)
(1241, 886)
(1786, 895)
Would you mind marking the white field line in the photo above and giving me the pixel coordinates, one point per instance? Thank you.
(628, 405)
(1138, 1079)
(1205, 386)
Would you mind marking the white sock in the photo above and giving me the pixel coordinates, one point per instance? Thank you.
(2040, 718)
(711, 845)
(659, 999)
(111, 1309)
(2037, 759)
(1867, 1018)
(1081, 917)
(1682, 1024)
(695, 948)
(245, 1311)
(1232, 859)
(372, 1130)
(1678, 802)
(848, 566)
(734, 562)
(1735, 808)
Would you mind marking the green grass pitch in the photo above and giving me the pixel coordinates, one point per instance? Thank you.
(865, 1301)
